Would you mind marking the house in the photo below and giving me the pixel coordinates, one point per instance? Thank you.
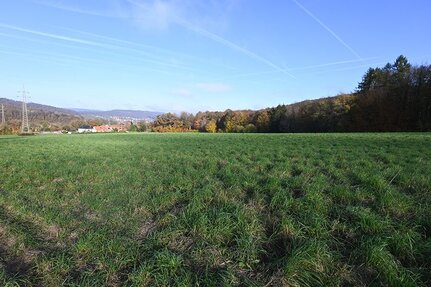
(103, 129)
(111, 128)
(86, 129)
(120, 127)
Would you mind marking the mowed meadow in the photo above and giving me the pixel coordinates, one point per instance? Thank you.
(216, 210)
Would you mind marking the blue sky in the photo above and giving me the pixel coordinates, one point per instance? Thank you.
(191, 55)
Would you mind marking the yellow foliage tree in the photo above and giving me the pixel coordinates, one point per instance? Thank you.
(229, 126)
(262, 122)
(211, 127)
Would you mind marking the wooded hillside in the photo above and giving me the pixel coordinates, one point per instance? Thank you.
(396, 97)
(41, 117)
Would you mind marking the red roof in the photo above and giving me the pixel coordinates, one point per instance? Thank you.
(103, 129)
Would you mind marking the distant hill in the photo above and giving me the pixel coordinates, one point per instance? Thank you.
(119, 114)
(45, 117)
(17, 105)
(40, 116)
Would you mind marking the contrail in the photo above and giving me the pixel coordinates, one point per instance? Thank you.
(81, 11)
(242, 75)
(146, 46)
(38, 59)
(335, 63)
(183, 23)
(233, 46)
(71, 62)
(71, 39)
(62, 57)
(53, 36)
(327, 29)
(126, 42)
(223, 41)
(154, 60)
(348, 68)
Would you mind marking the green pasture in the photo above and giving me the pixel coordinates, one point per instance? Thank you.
(216, 210)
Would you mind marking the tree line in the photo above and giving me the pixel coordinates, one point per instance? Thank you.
(396, 97)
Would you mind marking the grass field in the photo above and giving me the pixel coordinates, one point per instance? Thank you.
(216, 210)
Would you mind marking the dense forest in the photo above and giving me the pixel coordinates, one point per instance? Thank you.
(396, 97)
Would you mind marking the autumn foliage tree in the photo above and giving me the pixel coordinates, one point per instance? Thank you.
(211, 127)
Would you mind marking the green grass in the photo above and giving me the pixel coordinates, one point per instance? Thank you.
(216, 210)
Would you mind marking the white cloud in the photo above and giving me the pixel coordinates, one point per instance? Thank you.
(158, 14)
(163, 13)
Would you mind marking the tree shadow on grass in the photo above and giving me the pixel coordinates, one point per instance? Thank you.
(20, 263)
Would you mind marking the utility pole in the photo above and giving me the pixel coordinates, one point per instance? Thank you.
(3, 120)
(25, 128)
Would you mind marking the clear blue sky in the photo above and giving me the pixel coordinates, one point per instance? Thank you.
(191, 55)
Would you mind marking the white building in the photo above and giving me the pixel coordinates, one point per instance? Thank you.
(86, 129)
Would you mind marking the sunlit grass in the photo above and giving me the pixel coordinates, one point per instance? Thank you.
(215, 210)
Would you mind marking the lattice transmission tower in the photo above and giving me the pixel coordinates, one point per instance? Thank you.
(3, 120)
(25, 128)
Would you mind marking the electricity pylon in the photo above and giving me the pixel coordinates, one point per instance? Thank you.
(3, 120)
(25, 128)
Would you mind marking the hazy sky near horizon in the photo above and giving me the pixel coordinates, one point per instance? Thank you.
(191, 55)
